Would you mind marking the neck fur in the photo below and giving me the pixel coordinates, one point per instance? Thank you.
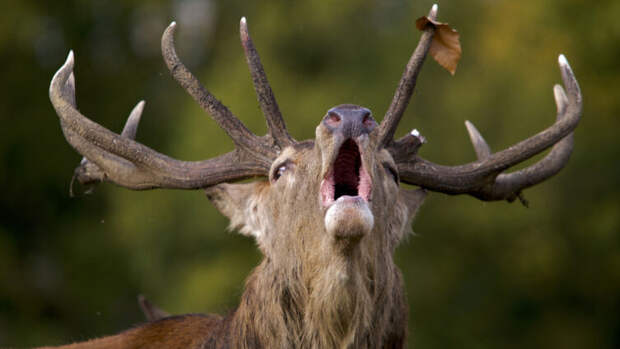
(335, 301)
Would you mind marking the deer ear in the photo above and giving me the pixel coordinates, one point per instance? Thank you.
(413, 199)
(240, 203)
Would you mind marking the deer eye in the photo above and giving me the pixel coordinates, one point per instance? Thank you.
(392, 172)
(280, 170)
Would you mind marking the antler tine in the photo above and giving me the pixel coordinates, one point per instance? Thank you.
(68, 89)
(481, 147)
(62, 95)
(509, 185)
(130, 164)
(482, 178)
(131, 125)
(266, 98)
(235, 129)
(407, 83)
(86, 172)
(89, 173)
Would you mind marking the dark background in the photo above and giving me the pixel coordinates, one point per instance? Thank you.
(478, 275)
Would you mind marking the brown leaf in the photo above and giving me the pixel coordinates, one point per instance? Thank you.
(445, 47)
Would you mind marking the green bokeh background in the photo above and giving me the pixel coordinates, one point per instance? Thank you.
(478, 275)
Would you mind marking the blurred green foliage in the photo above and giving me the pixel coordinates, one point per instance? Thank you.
(478, 275)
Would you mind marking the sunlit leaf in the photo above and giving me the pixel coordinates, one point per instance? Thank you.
(446, 47)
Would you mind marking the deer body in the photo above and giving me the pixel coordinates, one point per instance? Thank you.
(268, 319)
(327, 217)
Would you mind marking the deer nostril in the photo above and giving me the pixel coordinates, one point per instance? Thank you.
(333, 119)
(368, 121)
(350, 120)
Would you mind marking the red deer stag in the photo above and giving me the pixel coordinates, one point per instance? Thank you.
(327, 216)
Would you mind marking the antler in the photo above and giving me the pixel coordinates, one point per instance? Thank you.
(407, 84)
(120, 159)
(266, 99)
(484, 179)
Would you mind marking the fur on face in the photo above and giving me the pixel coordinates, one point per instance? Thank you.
(328, 279)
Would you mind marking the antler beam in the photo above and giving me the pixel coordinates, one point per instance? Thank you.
(484, 179)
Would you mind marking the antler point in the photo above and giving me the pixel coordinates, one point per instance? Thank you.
(562, 60)
(63, 73)
(481, 147)
(140, 106)
(433, 13)
(131, 125)
(243, 28)
(69, 61)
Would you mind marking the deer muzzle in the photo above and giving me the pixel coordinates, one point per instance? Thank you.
(349, 121)
(345, 192)
(346, 185)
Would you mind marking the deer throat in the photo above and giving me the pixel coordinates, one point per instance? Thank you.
(345, 192)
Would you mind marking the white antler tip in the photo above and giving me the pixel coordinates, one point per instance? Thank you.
(136, 112)
(415, 132)
(243, 20)
(70, 59)
(473, 131)
(562, 60)
(172, 24)
(67, 66)
(433, 13)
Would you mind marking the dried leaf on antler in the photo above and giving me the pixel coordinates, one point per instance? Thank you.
(445, 47)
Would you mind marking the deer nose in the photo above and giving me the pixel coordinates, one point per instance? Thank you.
(349, 120)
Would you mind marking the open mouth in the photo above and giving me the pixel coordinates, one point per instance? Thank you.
(347, 177)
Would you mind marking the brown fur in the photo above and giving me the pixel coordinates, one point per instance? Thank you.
(312, 290)
(186, 331)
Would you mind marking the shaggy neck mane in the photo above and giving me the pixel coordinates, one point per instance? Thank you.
(348, 301)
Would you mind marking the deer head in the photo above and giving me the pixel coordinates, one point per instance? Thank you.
(330, 211)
